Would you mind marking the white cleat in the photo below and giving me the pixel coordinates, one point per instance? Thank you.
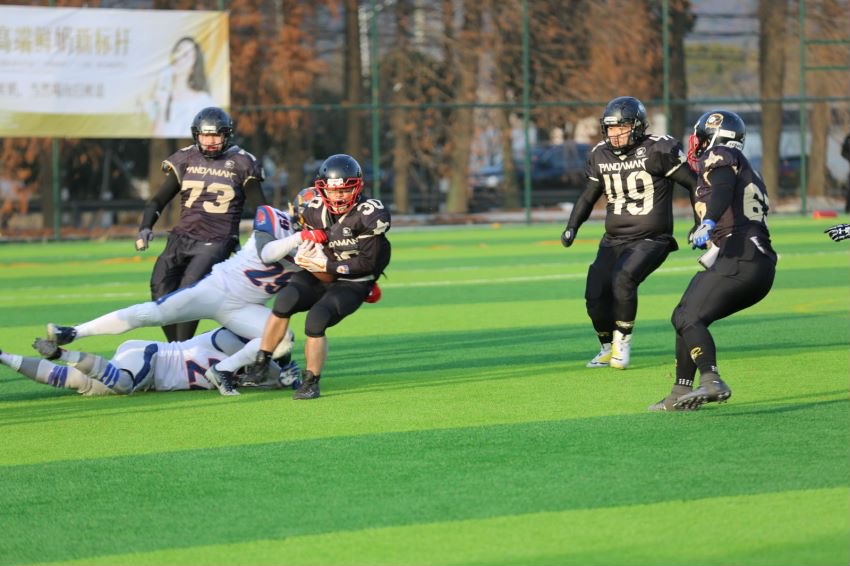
(601, 359)
(621, 349)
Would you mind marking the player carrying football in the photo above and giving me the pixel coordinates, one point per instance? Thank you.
(338, 277)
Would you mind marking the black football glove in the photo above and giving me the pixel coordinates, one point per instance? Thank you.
(143, 239)
(838, 232)
(568, 237)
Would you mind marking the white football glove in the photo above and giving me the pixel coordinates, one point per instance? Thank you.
(311, 256)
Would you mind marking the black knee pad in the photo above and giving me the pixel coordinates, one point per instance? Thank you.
(293, 298)
(319, 318)
(681, 319)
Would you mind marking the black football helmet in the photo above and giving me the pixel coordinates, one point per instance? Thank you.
(339, 182)
(624, 111)
(299, 203)
(212, 120)
(716, 127)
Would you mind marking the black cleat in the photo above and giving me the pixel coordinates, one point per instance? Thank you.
(711, 389)
(223, 380)
(309, 386)
(669, 402)
(61, 335)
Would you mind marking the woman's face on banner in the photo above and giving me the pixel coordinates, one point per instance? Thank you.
(183, 57)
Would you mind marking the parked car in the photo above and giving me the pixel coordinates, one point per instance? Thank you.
(789, 174)
(557, 175)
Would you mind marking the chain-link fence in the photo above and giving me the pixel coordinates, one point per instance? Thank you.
(460, 108)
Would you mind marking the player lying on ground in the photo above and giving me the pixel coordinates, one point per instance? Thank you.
(233, 294)
(142, 365)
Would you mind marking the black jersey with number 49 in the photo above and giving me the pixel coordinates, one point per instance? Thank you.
(357, 247)
(212, 193)
(638, 186)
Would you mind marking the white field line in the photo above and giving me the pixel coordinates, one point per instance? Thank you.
(142, 295)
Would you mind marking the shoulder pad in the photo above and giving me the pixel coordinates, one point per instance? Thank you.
(271, 220)
(719, 156)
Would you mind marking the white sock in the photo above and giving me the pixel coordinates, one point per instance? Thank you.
(116, 322)
(11, 360)
(242, 358)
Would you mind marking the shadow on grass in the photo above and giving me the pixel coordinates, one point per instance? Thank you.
(275, 490)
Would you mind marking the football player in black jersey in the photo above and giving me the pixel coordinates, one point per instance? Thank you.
(214, 178)
(339, 276)
(636, 171)
(732, 202)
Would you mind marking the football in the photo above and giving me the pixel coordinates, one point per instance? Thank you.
(307, 253)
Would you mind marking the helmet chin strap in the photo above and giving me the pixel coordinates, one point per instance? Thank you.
(713, 139)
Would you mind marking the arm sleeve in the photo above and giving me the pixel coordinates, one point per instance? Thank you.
(722, 182)
(685, 177)
(271, 250)
(169, 188)
(254, 195)
(366, 261)
(584, 204)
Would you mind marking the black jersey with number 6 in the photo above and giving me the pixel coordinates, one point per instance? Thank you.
(747, 213)
(357, 246)
(638, 186)
(212, 193)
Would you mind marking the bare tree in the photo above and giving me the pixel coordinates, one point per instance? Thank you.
(463, 53)
(353, 93)
(829, 21)
(681, 22)
(772, 41)
(401, 70)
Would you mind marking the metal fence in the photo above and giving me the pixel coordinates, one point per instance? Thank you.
(534, 140)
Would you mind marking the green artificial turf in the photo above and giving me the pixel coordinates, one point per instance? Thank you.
(457, 423)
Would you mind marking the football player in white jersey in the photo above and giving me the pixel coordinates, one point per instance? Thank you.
(233, 294)
(140, 365)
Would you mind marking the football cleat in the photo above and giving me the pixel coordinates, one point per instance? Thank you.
(711, 389)
(223, 381)
(47, 348)
(289, 375)
(669, 402)
(256, 372)
(601, 359)
(620, 350)
(309, 386)
(61, 335)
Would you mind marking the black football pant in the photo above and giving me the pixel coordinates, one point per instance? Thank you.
(612, 282)
(731, 285)
(326, 303)
(185, 261)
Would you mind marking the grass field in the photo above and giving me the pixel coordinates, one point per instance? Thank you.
(457, 423)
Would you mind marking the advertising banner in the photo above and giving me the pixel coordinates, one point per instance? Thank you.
(103, 73)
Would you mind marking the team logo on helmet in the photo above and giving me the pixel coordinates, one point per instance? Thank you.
(714, 121)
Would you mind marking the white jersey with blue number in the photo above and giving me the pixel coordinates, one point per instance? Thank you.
(246, 275)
